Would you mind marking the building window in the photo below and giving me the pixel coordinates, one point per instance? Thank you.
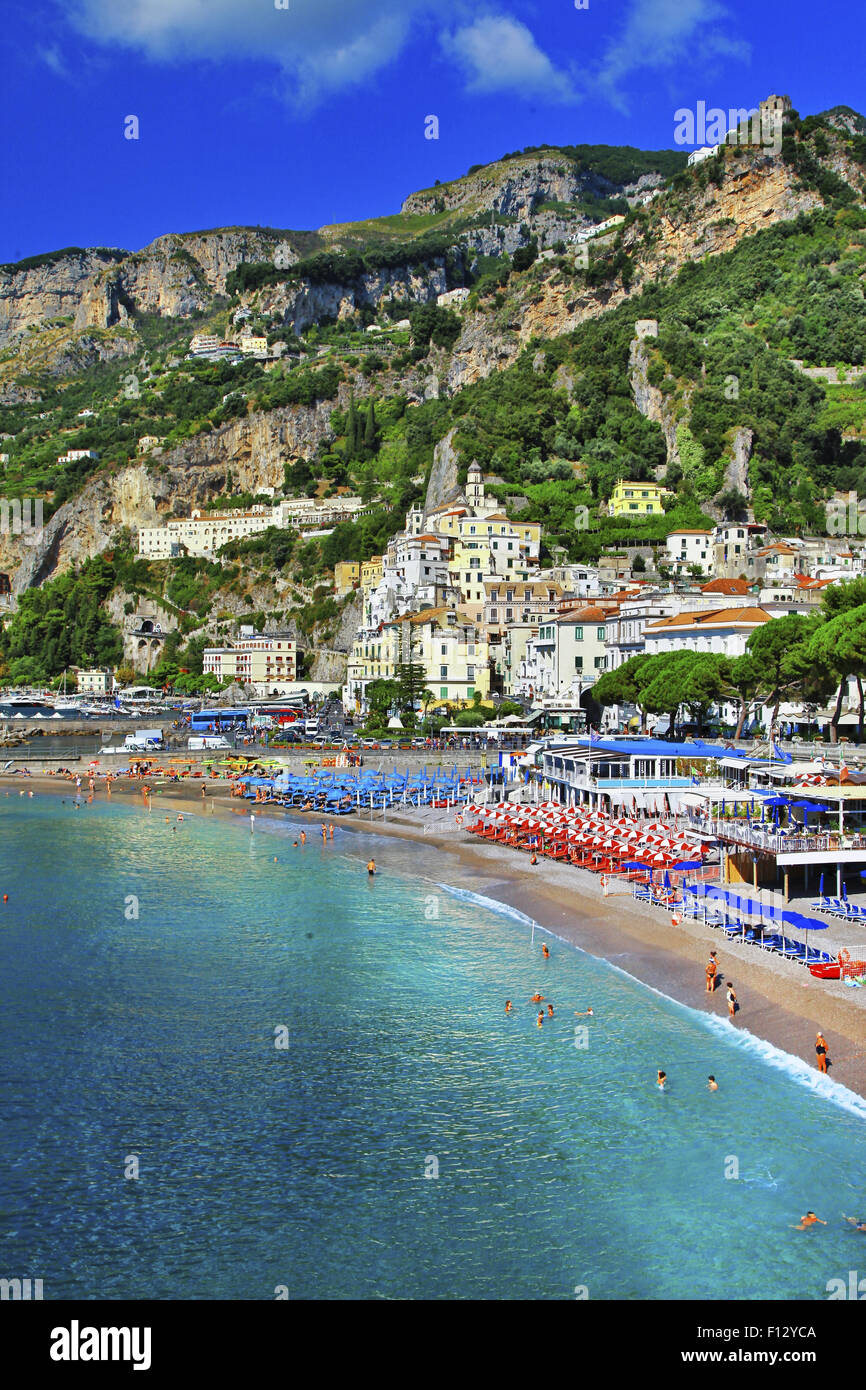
(443, 673)
(578, 634)
(578, 663)
(599, 632)
(443, 692)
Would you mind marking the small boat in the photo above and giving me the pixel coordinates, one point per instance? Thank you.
(826, 970)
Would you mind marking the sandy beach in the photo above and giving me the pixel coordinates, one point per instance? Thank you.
(779, 1000)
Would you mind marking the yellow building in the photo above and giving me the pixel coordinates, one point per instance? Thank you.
(638, 499)
(371, 572)
(347, 574)
(450, 648)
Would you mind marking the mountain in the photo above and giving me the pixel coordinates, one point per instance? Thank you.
(747, 263)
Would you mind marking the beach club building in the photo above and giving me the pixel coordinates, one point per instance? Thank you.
(632, 775)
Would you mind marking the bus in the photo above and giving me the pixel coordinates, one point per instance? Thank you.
(217, 721)
(279, 714)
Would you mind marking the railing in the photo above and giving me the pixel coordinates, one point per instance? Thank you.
(782, 843)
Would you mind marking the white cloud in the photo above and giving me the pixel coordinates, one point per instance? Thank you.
(499, 54)
(665, 33)
(321, 45)
(53, 59)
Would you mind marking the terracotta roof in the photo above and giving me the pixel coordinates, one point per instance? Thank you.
(725, 586)
(592, 613)
(689, 531)
(715, 617)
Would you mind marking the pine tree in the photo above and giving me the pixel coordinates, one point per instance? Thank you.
(370, 430)
(352, 430)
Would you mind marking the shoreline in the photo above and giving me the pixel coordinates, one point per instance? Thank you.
(780, 1003)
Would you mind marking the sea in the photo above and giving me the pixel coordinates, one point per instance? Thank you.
(236, 1067)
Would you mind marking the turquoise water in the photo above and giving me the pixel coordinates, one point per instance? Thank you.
(303, 1168)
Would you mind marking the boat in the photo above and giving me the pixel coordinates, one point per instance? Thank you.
(25, 707)
(826, 970)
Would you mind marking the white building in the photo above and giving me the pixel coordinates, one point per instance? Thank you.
(451, 298)
(724, 631)
(690, 547)
(73, 455)
(98, 682)
(566, 656)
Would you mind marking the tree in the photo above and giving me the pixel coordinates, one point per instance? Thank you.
(839, 646)
(778, 649)
(745, 680)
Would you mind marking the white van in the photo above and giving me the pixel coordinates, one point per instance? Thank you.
(143, 740)
(199, 741)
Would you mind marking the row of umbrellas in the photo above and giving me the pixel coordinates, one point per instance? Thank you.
(637, 845)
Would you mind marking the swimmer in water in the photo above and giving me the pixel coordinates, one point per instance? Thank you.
(540, 1018)
(858, 1225)
(586, 1013)
(550, 1011)
(303, 837)
(508, 1006)
(663, 1076)
(712, 1083)
(810, 1219)
(371, 867)
(545, 952)
(536, 998)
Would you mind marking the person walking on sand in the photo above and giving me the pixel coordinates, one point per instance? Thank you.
(821, 1050)
(733, 1006)
(712, 967)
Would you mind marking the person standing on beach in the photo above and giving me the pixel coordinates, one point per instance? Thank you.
(732, 1001)
(711, 971)
(821, 1050)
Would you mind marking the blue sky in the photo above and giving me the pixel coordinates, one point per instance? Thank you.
(314, 112)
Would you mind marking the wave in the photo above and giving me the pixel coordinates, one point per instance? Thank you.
(793, 1067)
